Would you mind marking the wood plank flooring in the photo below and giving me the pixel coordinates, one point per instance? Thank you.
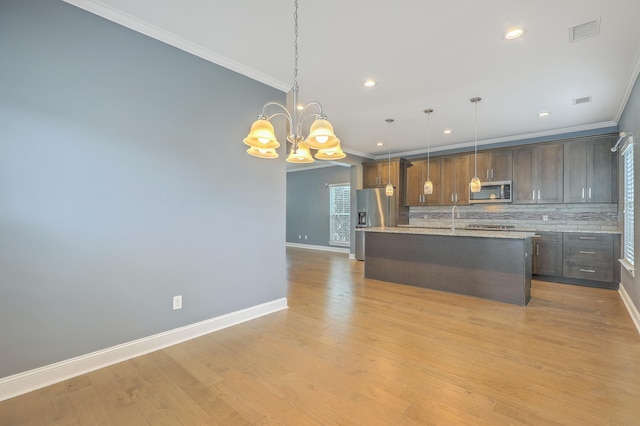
(351, 351)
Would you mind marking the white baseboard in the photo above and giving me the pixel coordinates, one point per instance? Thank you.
(28, 381)
(633, 311)
(321, 248)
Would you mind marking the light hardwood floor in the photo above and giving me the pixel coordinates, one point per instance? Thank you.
(351, 351)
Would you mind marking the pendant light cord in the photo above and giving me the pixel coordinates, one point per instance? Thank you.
(475, 136)
(389, 120)
(428, 144)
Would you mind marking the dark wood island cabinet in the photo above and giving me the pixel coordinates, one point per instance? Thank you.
(476, 263)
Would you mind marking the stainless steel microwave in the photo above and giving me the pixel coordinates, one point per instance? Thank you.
(492, 192)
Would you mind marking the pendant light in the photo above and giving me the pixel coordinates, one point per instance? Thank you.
(262, 140)
(475, 182)
(389, 188)
(428, 185)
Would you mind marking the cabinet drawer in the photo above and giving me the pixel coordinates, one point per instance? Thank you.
(588, 271)
(548, 237)
(588, 254)
(588, 239)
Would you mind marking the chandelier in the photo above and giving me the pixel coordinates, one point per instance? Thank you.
(262, 139)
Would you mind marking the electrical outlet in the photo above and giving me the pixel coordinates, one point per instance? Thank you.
(545, 218)
(177, 302)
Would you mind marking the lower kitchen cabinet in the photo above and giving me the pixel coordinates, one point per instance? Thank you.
(547, 254)
(588, 256)
(580, 258)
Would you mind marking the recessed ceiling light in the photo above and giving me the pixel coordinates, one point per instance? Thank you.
(447, 132)
(513, 33)
(544, 114)
(370, 83)
(379, 144)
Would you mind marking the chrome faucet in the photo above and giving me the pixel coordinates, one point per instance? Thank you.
(454, 210)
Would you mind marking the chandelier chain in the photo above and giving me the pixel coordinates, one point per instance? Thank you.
(295, 43)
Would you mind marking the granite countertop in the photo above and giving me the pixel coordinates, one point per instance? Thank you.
(521, 229)
(459, 232)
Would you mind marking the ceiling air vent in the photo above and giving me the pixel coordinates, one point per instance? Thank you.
(584, 100)
(580, 32)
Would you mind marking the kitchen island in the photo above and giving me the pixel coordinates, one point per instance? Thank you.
(493, 265)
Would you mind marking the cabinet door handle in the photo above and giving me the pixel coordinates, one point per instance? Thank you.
(452, 197)
(589, 193)
(456, 197)
(582, 193)
(587, 238)
(591, 271)
(491, 173)
(587, 252)
(538, 194)
(533, 196)
(537, 249)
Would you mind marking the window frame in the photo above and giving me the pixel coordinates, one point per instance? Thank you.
(346, 203)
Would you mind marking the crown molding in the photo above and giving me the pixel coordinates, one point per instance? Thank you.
(513, 138)
(114, 15)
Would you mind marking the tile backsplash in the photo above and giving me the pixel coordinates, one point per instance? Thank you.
(559, 217)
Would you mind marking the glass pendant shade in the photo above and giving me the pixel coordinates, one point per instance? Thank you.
(428, 187)
(263, 153)
(262, 135)
(330, 154)
(300, 155)
(475, 185)
(321, 135)
(388, 190)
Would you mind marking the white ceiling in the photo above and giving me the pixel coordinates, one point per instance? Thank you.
(423, 54)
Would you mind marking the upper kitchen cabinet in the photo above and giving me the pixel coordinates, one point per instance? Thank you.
(590, 171)
(417, 174)
(455, 180)
(376, 174)
(538, 174)
(492, 166)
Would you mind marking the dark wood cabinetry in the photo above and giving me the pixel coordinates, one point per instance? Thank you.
(376, 174)
(590, 171)
(455, 180)
(588, 256)
(417, 174)
(492, 166)
(547, 254)
(538, 174)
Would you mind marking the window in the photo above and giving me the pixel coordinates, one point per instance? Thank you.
(340, 214)
(627, 152)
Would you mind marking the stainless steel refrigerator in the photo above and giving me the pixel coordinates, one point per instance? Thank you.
(374, 209)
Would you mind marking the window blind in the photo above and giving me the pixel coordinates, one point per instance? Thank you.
(340, 214)
(628, 203)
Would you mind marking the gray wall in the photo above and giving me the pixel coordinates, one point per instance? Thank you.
(308, 203)
(630, 122)
(123, 182)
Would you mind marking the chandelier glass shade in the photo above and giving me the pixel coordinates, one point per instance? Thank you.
(263, 152)
(262, 139)
(300, 154)
(334, 153)
(475, 184)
